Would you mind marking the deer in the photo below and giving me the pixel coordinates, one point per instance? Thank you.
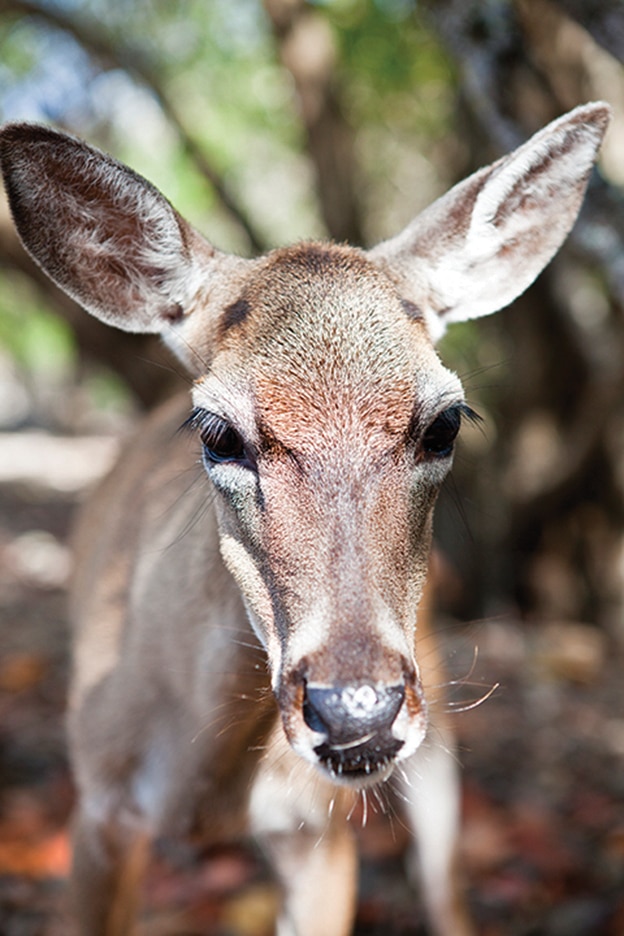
(248, 577)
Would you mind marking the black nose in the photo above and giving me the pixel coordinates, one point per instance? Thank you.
(348, 713)
(357, 724)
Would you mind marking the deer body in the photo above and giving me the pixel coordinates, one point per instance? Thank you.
(246, 594)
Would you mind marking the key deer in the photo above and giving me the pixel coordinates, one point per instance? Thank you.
(246, 594)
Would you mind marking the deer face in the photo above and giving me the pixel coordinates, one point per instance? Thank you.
(328, 425)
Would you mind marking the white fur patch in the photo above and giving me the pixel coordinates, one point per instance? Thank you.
(257, 599)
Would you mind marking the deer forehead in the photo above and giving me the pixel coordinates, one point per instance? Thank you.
(324, 302)
(319, 338)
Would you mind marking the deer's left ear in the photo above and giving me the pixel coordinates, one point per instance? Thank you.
(483, 243)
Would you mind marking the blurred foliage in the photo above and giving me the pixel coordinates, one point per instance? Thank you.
(40, 342)
(218, 63)
(396, 73)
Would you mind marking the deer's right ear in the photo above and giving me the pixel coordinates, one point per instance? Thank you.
(103, 233)
(483, 243)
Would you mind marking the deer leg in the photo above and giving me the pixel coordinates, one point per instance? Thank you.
(300, 820)
(108, 866)
(319, 878)
(431, 787)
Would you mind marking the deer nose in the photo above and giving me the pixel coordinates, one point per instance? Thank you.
(354, 716)
(345, 714)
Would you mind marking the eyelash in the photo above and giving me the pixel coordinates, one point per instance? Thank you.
(221, 442)
(438, 440)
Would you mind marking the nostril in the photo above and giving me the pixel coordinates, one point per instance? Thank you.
(311, 715)
(349, 713)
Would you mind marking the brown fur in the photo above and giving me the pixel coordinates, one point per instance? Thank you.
(311, 522)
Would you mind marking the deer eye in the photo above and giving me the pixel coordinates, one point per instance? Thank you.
(221, 442)
(439, 438)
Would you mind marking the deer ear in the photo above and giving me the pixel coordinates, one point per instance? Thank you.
(103, 233)
(483, 243)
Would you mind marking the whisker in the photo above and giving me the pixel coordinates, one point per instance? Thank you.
(398, 792)
(168, 367)
(401, 770)
(459, 680)
(364, 808)
(467, 377)
(353, 808)
(475, 703)
(207, 726)
(376, 791)
(353, 744)
(178, 337)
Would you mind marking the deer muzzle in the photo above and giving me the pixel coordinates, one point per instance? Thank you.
(356, 723)
(355, 731)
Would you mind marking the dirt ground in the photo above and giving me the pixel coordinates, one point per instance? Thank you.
(542, 761)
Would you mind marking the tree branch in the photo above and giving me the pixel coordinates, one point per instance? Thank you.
(602, 19)
(306, 48)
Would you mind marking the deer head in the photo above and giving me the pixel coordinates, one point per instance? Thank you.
(327, 421)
